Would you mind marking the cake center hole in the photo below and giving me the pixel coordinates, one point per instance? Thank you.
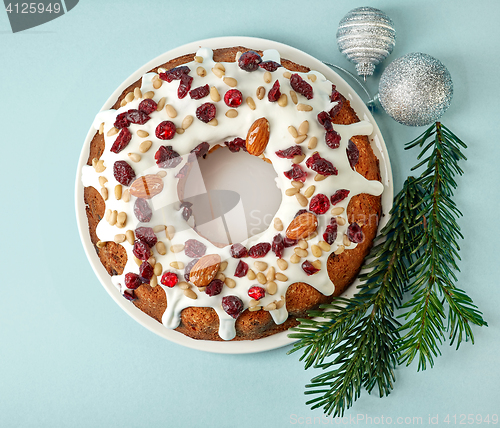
(234, 196)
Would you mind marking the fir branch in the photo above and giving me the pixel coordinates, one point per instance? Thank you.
(357, 341)
(434, 278)
(361, 334)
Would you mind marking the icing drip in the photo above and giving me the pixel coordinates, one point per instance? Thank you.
(166, 205)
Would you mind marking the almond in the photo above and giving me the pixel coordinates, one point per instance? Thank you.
(205, 270)
(146, 186)
(258, 137)
(302, 226)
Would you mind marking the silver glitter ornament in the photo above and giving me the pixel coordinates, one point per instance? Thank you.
(416, 89)
(366, 36)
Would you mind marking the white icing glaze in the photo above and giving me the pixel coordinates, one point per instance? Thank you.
(166, 205)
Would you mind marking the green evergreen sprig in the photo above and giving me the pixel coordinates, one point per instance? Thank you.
(434, 279)
(358, 342)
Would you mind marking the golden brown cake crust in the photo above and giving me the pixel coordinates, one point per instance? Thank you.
(203, 323)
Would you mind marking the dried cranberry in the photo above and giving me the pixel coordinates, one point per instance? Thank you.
(241, 269)
(123, 172)
(175, 73)
(206, 112)
(335, 110)
(186, 210)
(165, 130)
(309, 268)
(129, 295)
(256, 292)
(278, 246)
(233, 98)
(321, 165)
(194, 248)
(169, 279)
(146, 235)
(121, 121)
(352, 154)
(137, 116)
(274, 93)
(354, 233)
(184, 86)
(332, 139)
(319, 204)
(167, 158)
(335, 97)
(296, 173)
(238, 251)
(146, 271)
(249, 61)
(289, 153)
(148, 106)
(236, 144)
(289, 242)
(232, 305)
(338, 196)
(201, 150)
(325, 120)
(188, 268)
(142, 210)
(214, 288)
(199, 92)
(132, 280)
(121, 141)
(141, 250)
(299, 212)
(301, 86)
(259, 250)
(269, 65)
(330, 234)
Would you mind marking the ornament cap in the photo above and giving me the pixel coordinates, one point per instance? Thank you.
(365, 69)
(374, 103)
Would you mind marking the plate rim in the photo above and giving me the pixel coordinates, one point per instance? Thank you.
(277, 340)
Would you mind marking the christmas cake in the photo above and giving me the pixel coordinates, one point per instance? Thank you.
(239, 100)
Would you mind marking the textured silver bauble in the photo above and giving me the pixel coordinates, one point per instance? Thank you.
(366, 36)
(416, 89)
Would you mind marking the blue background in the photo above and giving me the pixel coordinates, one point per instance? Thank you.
(70, 357)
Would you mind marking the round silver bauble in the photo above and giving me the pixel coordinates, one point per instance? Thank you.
(366, 36)
(416, 89)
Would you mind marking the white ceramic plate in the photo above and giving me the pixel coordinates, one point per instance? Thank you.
(288, 52)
